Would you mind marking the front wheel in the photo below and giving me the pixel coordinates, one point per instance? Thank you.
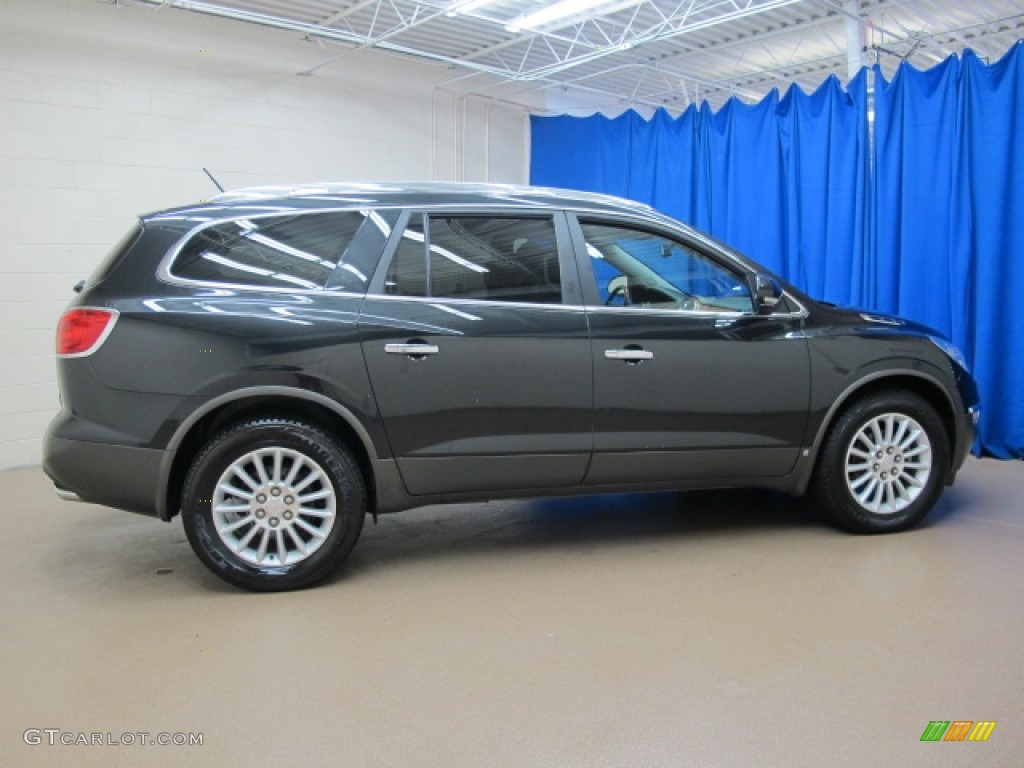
(273, 504)
(882, 465)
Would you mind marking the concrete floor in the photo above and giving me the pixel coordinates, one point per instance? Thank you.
(712, 629)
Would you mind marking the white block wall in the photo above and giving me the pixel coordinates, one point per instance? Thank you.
(107, 112)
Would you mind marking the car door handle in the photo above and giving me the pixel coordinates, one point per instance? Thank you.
(412, 349)
(629, 355)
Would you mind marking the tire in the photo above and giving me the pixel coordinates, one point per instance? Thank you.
(883, 464)
(273, 504)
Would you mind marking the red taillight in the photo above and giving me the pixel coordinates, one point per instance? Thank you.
(81, 331)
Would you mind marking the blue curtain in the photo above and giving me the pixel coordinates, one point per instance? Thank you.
(784, 180)
(930, 224)
(949, 220)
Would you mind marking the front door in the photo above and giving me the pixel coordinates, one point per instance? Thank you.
(690, 384)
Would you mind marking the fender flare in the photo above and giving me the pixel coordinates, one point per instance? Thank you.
(810, 452)
(171, 451)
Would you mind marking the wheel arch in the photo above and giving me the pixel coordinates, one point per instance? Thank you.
(917, 382)
(221, 411)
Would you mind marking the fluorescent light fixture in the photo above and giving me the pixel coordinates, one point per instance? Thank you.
(555, 12)
(468, 7)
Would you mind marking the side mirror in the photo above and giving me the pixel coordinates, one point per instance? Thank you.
(767, 293)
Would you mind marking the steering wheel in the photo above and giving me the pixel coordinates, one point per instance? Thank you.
(616, 292)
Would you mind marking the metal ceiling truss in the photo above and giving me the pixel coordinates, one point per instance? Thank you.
(642, 52)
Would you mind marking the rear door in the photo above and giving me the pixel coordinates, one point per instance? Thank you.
(478, 352)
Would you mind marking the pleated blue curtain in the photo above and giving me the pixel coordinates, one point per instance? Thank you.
(949, 228)
(932, 229)
(988, 262)
(591, 154)
(825, 136)
(744, 172)
(664, 165)
(917, 192)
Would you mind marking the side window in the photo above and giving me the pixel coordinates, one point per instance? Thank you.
(636, 268)
(407, 273)
(295, 251)
(493, 258)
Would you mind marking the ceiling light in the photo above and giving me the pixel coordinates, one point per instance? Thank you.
(556, 12)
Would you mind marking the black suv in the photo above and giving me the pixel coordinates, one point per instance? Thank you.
(279, 362)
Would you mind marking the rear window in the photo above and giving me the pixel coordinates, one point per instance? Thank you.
(295, 251)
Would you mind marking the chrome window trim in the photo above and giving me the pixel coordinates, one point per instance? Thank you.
(582, 308)
(697, 314)
(476, 302)
(701, 313)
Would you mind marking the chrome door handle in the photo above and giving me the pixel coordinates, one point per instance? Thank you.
(412, 350)
(629, 355)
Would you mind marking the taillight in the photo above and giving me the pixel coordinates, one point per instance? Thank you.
(82, 330)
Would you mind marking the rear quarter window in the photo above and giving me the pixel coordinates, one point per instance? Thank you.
(297, 251)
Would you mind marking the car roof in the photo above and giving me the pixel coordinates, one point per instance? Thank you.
(286, 198)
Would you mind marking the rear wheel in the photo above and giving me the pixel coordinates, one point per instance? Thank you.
(882, 465)
(273, 504)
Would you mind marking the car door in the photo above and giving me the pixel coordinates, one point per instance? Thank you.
(690, 385)
(478, 352)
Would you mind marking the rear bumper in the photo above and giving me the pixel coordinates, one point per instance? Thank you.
(117, 476)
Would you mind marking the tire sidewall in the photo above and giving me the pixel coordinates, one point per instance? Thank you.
(227, 447)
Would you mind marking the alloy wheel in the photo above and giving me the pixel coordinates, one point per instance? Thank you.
(888, 463)
(274, 506)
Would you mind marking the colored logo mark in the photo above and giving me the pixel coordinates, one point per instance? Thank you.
(958, 730)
